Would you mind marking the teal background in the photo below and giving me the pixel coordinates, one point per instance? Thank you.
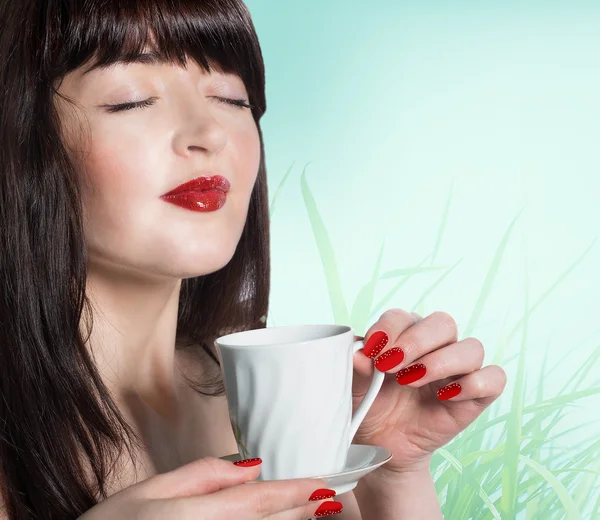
(431, 126)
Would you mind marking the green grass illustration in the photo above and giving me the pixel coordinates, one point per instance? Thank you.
(506, 464)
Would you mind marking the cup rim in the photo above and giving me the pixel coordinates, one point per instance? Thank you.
(224, 341)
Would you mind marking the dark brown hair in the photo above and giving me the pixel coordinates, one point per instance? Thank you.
(53, 403)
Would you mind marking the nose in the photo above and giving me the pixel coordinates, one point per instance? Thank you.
(199, 131)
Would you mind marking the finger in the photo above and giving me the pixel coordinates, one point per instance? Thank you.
(390, 324)
(483, 386)
(258, 500)
(386, 330)
(377, 337)
(199, 477)
(459, 358)
(432, 332)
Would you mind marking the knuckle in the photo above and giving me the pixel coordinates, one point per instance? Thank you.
(272, 496)
(446, 319)
(211, 465)
(439, 367)
(477, 348)
(261, 502)
(416, 317)
(394, 313)
(410, 345)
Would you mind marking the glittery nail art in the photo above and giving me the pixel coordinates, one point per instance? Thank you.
(329, 508)
(411, 374)
(249, 462)
(322, 494)
(449, 391)
(389, 359)
(375, 344)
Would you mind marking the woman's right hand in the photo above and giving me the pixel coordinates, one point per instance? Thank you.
(212, 489)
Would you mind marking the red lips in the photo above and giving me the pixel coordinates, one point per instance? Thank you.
(202, 194)
(213, 182)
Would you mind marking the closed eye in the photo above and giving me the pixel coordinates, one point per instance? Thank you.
(236, 102)
(241, 103)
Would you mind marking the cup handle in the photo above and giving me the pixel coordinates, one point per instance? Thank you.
(369, 397)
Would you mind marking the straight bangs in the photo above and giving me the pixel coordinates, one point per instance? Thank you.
(218, 35)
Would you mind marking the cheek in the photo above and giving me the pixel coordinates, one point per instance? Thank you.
(247, 154)
(245, 170)
(126, 164)
(121, 178)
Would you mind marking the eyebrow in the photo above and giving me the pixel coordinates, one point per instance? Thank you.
(148, 58)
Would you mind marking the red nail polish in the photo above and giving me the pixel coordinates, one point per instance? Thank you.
(322, 494)
(411, 374)
(329, 508)
(375, 344)
(389, 359)
(449, 391)
(248, 462)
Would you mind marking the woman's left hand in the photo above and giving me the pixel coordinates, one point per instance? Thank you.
(434, 386)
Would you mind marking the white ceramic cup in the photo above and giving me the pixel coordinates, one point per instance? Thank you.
(289, 392)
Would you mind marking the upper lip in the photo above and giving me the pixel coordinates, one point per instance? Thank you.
(203, 183)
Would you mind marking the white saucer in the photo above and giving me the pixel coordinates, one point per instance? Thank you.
(362, 459)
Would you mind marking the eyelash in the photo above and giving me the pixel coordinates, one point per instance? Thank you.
(240, 103)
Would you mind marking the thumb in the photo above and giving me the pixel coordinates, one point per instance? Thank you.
(199, 477)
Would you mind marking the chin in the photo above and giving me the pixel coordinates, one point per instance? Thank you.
(211, 263)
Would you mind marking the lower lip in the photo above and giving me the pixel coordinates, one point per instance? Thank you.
(203, 201)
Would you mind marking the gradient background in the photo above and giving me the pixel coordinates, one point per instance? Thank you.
(431, 126)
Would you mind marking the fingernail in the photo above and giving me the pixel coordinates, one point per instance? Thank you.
(248, 462)
(375, 344)
(389, 359)
(329, 508)
(322, 494)
(411, 374)
(449, 391)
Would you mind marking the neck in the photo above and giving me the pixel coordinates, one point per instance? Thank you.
(133, 336)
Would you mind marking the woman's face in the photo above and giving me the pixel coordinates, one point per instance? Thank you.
(129, 158)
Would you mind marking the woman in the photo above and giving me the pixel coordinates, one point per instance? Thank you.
(113, 290)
